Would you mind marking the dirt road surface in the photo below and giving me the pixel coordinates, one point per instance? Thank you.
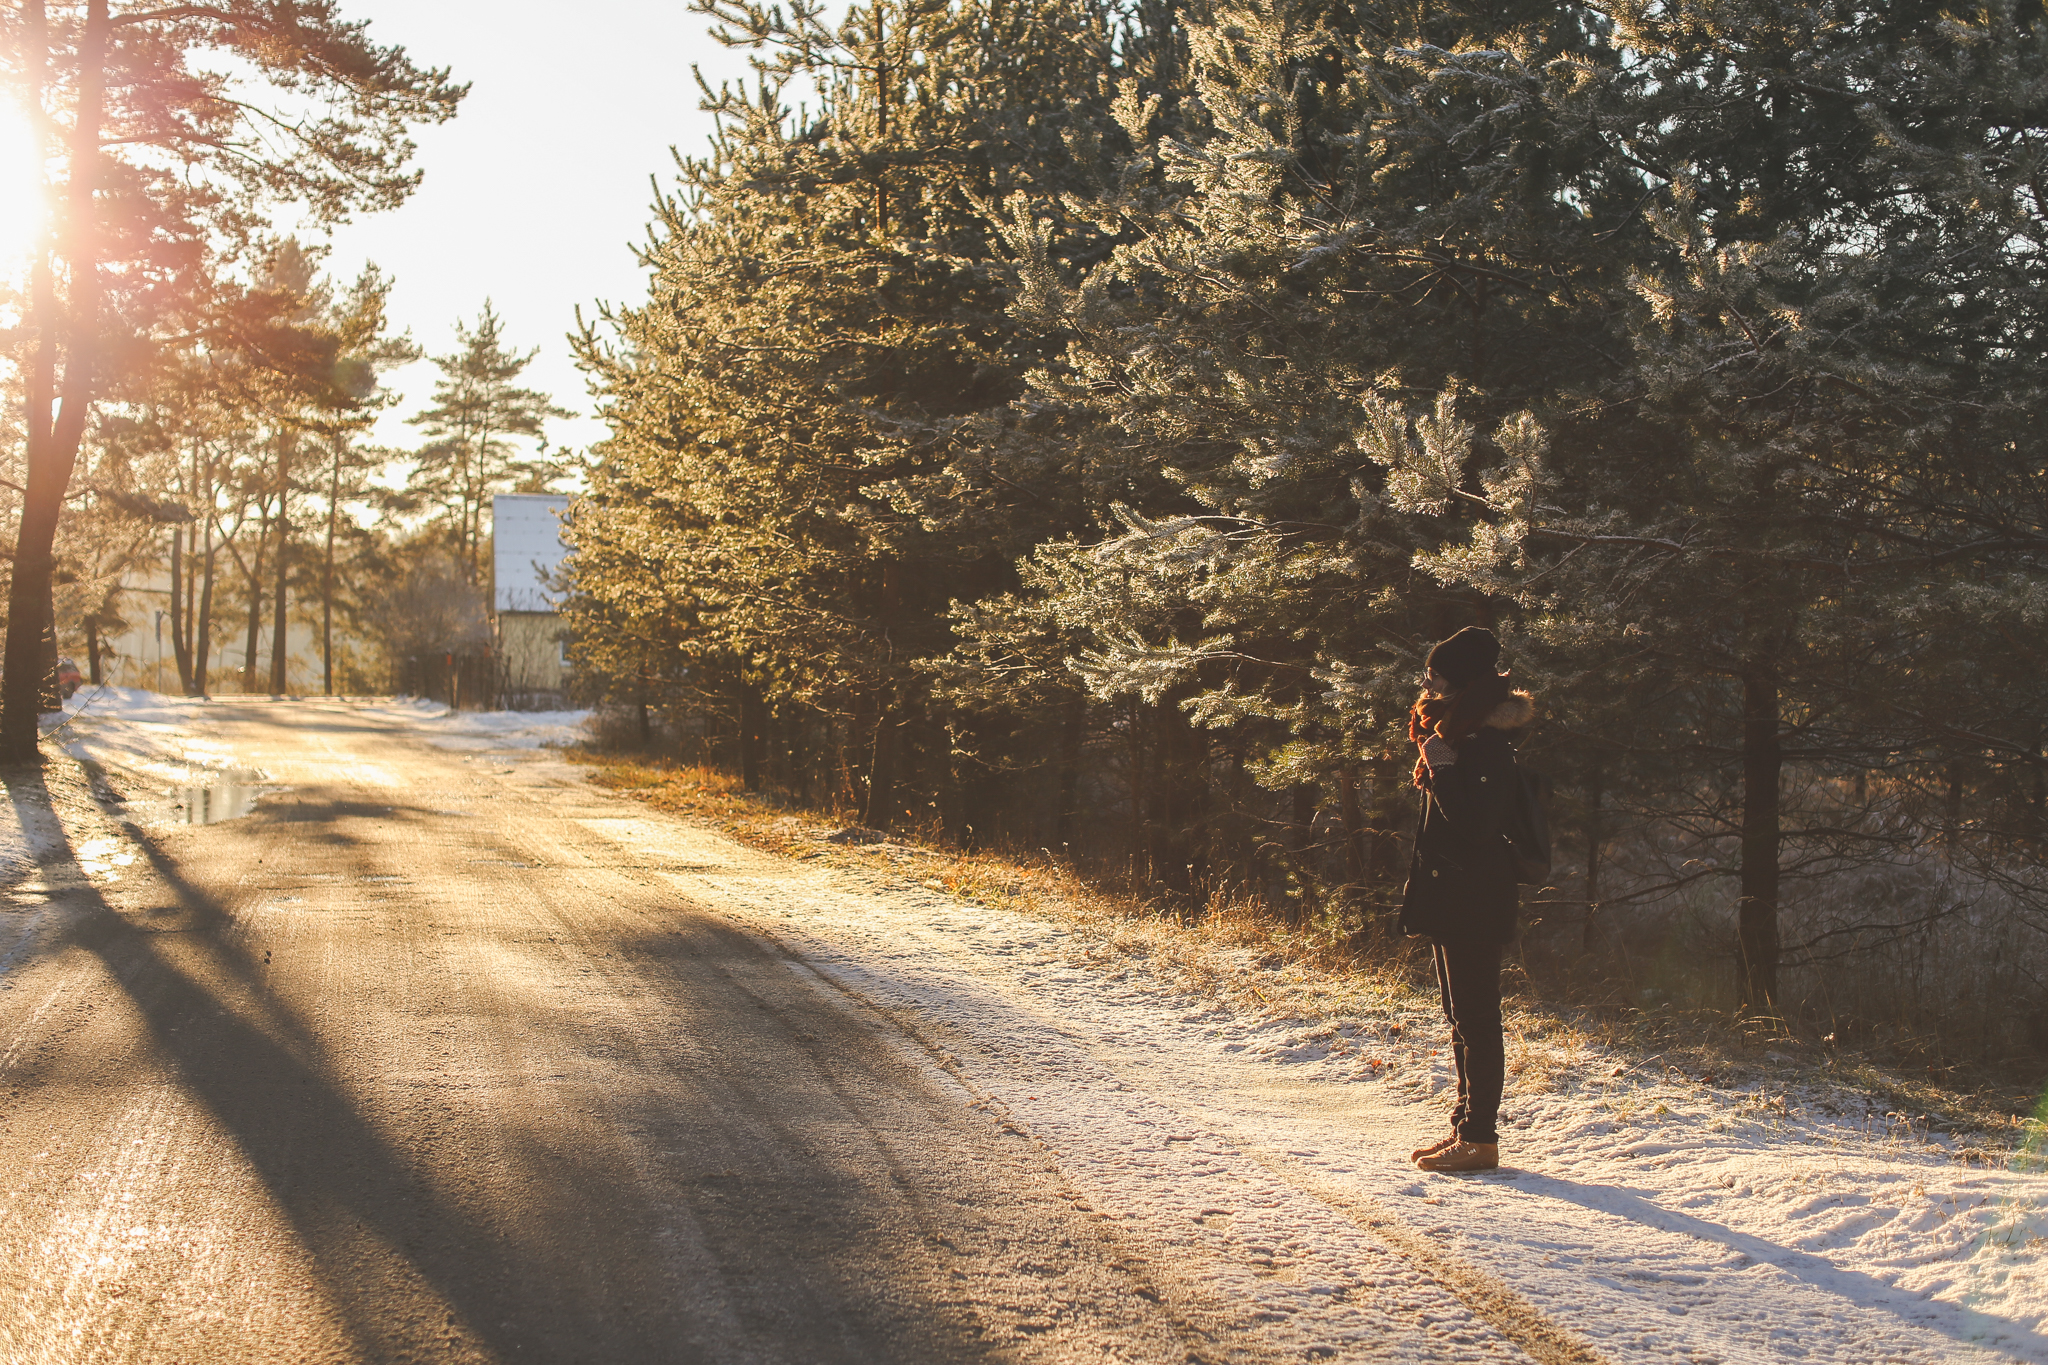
(428, 1058)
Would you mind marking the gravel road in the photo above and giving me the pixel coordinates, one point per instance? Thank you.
(444, 1055)
(414, 1062)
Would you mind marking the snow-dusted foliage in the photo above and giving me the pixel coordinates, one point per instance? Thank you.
(1707, 384)
(1115, 492)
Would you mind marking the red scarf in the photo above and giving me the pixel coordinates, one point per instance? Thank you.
(1457, 715)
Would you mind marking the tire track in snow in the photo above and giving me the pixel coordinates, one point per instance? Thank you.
(1488, 1298)
(1513, 1316)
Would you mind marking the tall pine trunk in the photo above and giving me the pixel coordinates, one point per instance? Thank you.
(1356, 868)
(202, 616)
(753, 724)
(879, 809)
(278, 598)
(254, 572)
(202, 625)
(1596, 843)
(1301, 842)
(882, 746)
(1073, 723)
(480, 473)
(1757, 910)
(181, 647)
(327, 576)
(189, 608)
(29, 660)
(1176, 825)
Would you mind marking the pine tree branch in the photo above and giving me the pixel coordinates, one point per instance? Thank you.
(1933, 559)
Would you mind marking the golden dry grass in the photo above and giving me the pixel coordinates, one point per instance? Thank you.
(1233, 950)
(1239, 953)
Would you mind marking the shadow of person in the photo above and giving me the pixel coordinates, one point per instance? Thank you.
(1955, 1321)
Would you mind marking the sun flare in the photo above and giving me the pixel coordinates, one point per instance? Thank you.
(21, 195)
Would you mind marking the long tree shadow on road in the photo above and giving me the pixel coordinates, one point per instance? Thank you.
(542, 1152)
(400, 1262)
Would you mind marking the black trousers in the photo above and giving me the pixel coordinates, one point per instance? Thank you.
(1469, 977)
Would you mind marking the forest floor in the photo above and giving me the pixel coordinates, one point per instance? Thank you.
(1237, 1103)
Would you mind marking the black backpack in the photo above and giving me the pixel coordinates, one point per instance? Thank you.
(1523, 825)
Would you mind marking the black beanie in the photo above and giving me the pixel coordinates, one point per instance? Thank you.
(1466, 657)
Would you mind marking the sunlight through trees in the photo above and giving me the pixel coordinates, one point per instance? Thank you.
(1067, 426)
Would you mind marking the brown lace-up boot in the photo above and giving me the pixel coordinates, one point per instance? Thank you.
(1441, 1144)
(1462, 1156)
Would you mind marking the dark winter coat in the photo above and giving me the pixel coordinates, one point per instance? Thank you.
(1461, 880)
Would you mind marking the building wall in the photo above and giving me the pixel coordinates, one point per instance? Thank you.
(527, 669)
(526, 630)
(143, 657)
(526, 547)
(531, 667)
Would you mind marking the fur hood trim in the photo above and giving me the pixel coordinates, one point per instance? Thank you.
(1518, 710)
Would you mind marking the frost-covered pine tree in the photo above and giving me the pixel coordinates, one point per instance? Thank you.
(1801, 510)
(1342, 209)
(824, 323)
(1690, 344)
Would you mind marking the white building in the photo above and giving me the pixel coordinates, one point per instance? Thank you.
(526, 627)
(145, 656)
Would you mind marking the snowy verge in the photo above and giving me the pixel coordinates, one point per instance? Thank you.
(31, 834)
(1653, 1216)
(138, 732)
(53, 833)
(446, 729)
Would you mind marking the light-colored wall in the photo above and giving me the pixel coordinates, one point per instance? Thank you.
(529, 645)
(526, 546)
(131, 658)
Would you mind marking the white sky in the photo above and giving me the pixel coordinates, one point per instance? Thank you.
(536, 189)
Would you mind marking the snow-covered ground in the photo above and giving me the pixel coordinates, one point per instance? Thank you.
(138, 732)
(127, 729)
(482, 729)
(1651, 1216)
(174, 770)
(164, 738)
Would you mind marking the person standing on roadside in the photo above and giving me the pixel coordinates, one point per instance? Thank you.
(1461, 882)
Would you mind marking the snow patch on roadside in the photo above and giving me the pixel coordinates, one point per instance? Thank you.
(139, 732)
(1658, 1217)
(30, 832)
(43, 850)
(446, 729)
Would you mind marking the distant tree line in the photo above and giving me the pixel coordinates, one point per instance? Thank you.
(163, 140)
(1069, 425)
(188, 399)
